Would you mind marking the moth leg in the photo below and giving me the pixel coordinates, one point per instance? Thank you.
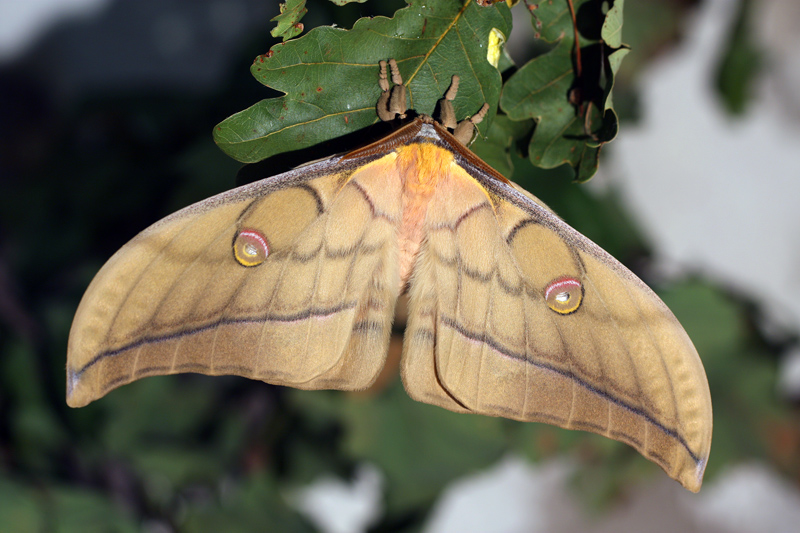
(466, 128)
(392, 102)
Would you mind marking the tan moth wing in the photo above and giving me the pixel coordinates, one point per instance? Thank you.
(317, 314)
(483, 336)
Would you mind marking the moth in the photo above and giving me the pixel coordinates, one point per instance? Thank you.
(293, 280)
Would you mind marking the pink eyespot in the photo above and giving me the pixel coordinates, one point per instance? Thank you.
(564, 295)
(250, 248)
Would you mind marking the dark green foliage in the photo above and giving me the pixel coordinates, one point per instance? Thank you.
(330, 76)
(566, 93)
(431, 40)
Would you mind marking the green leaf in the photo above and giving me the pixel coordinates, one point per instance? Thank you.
(552, 20)
(345, 2)
(49, 507)
(539, 90)
(19, 509)
(612, 27)
(600, 216)
(572, 107)
(419, 447)
(715, 325)
(740, 64)
(252, 504)
(75, 510)
(289, 20)
(330, 76)
(495, 149)
(190, 401)
(614, 61)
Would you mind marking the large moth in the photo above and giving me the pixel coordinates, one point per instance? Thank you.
(293, 280)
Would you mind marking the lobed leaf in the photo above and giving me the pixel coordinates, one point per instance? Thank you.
(329, 76)
(611, 32)
(569, 98)
(289, 25)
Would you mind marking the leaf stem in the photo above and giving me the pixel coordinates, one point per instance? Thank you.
(577, 44)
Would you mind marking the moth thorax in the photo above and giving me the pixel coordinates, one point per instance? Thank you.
(422, 166)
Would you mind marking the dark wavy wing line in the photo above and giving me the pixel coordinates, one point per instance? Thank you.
(489, 341)
(309, 313)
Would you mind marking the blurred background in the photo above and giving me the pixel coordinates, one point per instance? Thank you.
(106, 113)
